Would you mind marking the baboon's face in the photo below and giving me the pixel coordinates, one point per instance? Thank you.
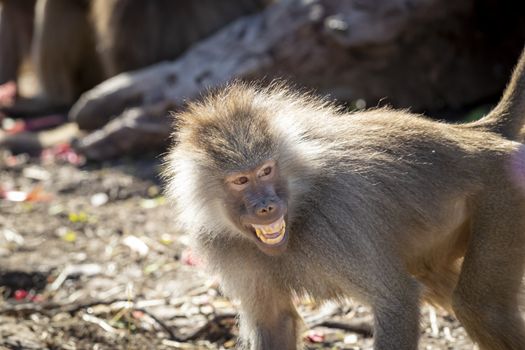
(257, 205)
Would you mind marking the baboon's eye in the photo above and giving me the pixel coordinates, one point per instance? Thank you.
(267, 171)
(240, 180)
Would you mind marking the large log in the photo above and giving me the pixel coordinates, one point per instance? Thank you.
(419, 54)
(241, 49)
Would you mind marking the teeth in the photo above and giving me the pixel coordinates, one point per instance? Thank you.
(272, 233)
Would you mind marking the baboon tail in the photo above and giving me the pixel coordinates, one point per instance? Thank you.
(508, 117)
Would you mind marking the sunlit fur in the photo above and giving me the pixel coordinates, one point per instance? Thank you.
(384, 206)
(298, 155)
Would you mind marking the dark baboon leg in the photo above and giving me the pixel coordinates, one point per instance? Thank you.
(64, 50)
(486, 298)
(396, 312)
(16, 28)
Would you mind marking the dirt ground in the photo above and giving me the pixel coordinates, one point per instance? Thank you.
(90, 258)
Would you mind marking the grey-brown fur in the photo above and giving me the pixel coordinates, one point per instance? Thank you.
(383, 205)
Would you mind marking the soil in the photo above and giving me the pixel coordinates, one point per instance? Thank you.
(91, 258)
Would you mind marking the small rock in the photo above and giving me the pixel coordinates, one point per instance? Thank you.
(35, 173)
(136, 244)
(351, 339)
(99, 199)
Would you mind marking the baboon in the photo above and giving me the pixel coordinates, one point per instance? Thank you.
(76, 44)
(286, 194)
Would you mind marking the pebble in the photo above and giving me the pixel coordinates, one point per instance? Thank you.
(99, 199)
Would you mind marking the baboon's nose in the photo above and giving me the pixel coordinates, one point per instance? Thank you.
(265, 208)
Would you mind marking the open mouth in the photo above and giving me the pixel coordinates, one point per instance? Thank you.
(273, 233)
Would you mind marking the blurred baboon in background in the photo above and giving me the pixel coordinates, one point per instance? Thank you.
(76, 44)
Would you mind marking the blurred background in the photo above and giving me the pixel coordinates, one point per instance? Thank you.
(90, 257)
